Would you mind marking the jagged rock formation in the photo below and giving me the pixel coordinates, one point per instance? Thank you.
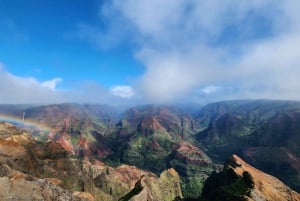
(162, 189)
(157, 137)
(240, 181)
(80, 129)
(19, 186)
(19, 154)
(264, 132)
(32, 170)
(107, 183)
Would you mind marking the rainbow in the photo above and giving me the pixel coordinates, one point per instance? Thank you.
(27, 124)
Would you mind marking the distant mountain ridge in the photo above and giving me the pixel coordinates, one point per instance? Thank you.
(31, 170)
(265, 133)
(192, 140)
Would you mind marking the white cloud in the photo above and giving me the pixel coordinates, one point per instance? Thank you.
(210, 89)
(17, 89)
(51, 84)
(28, 90)
(252, 46)
(122, 91)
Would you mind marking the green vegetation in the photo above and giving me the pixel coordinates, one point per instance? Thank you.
(269, 130)
(264, 133)
(192, 185)
(141, 151)
(227, 185)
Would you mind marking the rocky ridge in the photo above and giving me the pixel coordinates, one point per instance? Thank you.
(47, 171)
(240, 181)
(158, 137)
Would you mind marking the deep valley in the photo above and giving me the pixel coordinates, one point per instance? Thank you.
(151, 152)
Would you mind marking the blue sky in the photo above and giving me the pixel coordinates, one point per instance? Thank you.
(148, 51)
(39, 39)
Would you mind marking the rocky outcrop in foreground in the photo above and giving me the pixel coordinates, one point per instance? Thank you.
(19, 186)
(162, 189)
(31, 170)
(240, 181)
